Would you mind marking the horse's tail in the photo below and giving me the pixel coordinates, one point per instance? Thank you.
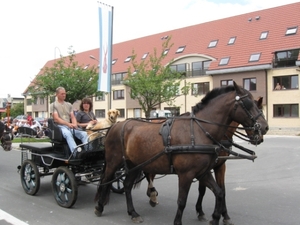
(138, 180)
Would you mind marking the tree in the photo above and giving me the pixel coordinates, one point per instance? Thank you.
(78, 81)
(152, 83)
(17, 109)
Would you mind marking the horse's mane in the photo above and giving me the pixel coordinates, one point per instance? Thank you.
(211, 95)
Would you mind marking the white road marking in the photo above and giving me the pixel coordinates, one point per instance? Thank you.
(10, 219)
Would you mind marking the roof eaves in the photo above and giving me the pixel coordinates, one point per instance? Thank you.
(239, 69)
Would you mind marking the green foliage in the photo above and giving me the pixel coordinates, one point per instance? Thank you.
(17, 109)
(78, 81)
(152, 83)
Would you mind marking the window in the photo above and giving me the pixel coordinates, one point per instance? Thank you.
(117, 78)
(122, 113)
(128, 59)
(100, 113)
(100, 98)
(250, 84)
(254, 57)
(200, 88)
(291, 31)
(200, 68)
(166, 51)
(145, 55)
(224, 61)
(213, 44)
(178, 68)
(226, 83)
(285, 82)
(180, 49)
(231, 41)
(114, 61)
(42, 100)
(264, 35)
(286, 110)
(286, 58)
(137, 113)
(118, 94)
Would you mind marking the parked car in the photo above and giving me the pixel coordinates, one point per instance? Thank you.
(21, 117)
(41, 120)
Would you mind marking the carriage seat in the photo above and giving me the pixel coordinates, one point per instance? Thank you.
(55, 133)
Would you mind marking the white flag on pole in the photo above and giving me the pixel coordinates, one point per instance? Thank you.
(105, 54)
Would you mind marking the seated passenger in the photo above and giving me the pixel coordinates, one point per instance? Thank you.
(85, 115)
(63, 115)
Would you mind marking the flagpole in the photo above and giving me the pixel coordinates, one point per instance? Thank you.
(111, 57)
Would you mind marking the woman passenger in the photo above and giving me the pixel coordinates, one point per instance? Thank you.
(85, 114)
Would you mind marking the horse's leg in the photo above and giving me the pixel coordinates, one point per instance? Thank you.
(128, 184)
(184, 187)
(211, 184)
(220, 178)
(151, 191)
(199, 210)
(103, 192)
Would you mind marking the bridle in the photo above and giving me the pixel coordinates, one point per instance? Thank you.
(256, 127)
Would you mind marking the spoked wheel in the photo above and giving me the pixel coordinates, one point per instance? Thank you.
(30, 177)
(118, 185)
(64, 187)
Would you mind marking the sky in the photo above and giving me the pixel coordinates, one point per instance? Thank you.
(36, 31)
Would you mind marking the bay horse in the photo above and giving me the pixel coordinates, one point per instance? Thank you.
(6, 136)
(219, 171)
(186, 146)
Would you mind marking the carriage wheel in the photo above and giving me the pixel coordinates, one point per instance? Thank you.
(64, 187)
(30, 177)
(118, 185)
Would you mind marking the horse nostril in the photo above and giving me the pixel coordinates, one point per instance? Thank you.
(267, 128)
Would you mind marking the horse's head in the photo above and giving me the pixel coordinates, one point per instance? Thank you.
(6, 137)
(248, 112)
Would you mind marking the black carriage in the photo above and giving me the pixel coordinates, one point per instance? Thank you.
(54, 158)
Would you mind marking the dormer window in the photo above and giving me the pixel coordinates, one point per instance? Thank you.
(254, 57)
(114, 61)
(180, 49)
(264, 35)
(224, 61)
(213, 44)
(291, 31)
(128, 59)
(231, 41)
(145, 55)
(166, 51)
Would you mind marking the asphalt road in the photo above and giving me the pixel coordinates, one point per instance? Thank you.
(264, 192)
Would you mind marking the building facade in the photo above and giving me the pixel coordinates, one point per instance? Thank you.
(257, 50)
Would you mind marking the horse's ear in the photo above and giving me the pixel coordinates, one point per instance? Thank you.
(259, 102)
(237, 88)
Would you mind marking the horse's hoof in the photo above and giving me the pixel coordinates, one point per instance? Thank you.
(97, 212)
(202, 218)
(137, 219)
(227, 222)
(153, 204)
